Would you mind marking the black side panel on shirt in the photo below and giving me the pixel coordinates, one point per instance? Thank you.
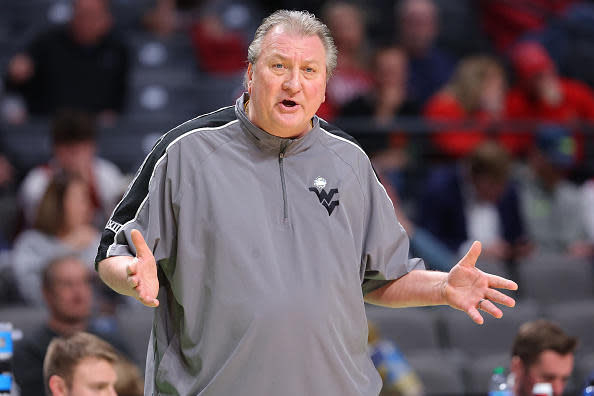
(138, 191)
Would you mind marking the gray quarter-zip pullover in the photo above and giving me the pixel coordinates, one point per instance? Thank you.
(265, 247)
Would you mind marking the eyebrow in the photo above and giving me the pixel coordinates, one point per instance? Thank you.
(278, 55)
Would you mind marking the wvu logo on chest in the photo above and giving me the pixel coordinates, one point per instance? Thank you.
(325, 198)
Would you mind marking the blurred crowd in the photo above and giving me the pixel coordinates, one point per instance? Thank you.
(478, 116)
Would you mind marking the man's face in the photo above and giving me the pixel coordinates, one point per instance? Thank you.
(91, 21)
(76, 157)
(91, 377)
(418, 25)
(551, 367)
(287, 83)
(69, 295)
(390, 69)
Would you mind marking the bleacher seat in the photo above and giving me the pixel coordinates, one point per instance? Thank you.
(29, 144)
(556, 281)
(577, 319)
(134, 326)
(478, 371)
(152, 51)
(25, 319)
(493, 266)
(439, 374)
(542, 259)
(128, 141)
(128, 14)
(584, 368)
(493, 336)
(412, 329)
(28, 17)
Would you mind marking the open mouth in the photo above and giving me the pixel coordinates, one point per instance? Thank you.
(289, 103)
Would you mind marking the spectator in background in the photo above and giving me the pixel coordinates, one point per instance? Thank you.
(540, 93)
(130, 381)
(429, 67)
(476, 93)
(62, 226)
(80, 365)
(388, 99)
(166, 17)
(475, 200)
(81, 65)
(541, 352)
(74, 151)
(435, 253)
(399, 379)
(219, 49)
(587, 195)
(505, 22)
(351, 78)
(550, 203)
(67, 293)
(8, 201)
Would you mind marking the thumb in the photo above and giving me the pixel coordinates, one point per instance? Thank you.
(469, 260)
(142, 249)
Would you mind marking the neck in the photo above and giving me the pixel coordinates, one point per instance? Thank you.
(65, 327)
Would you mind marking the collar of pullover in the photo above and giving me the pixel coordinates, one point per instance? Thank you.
(266, 141)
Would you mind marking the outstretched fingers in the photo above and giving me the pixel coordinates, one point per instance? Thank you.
(475, 315)
(490, 308)
(500, 298)
(497, 282)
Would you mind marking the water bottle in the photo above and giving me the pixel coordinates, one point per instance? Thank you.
(5, 359)
(542, 389)
(498, 384)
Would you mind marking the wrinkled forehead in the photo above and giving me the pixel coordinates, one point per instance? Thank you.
(282, 41)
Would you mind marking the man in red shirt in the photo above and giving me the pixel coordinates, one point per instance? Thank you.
(541, 94)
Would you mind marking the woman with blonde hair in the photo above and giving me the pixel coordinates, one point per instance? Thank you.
(62, 226)
(475, 95)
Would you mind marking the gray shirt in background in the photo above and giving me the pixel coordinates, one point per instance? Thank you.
(265, 247)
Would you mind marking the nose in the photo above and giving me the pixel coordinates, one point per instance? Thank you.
(292, 82)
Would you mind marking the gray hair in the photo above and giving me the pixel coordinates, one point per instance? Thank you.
(298, 22)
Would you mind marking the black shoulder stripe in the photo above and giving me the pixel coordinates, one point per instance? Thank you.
(333, 129)
(138, 191)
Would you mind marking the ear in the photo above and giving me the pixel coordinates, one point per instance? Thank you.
(57, 386)
(517, 366)
(250, 75)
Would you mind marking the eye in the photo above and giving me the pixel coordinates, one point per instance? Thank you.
(277, 66)
(309, 69)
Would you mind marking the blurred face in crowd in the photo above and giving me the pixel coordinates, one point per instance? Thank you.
(91, 377)
(77, 205)
(418, 25)
(493, 91)
(489, 189)
(550, 367)
(69, 295)
(390, 68)
(546, 87)
(76, 157)
(346, 24)
(91, 20)
(287, 83)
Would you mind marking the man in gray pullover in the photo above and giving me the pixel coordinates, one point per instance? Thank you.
(258, 231)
